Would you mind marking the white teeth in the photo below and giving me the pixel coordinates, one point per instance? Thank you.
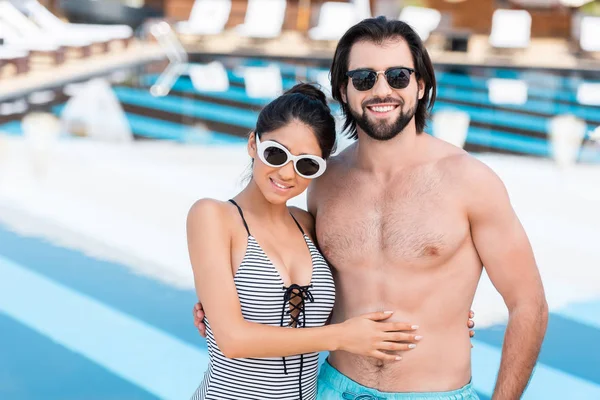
(383, 108)
(278, 185)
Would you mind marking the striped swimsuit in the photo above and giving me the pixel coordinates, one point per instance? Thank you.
(265, 299)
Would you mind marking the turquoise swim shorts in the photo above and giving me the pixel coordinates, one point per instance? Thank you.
(333, 385)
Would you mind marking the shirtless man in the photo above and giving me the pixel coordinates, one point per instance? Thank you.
(408, 222)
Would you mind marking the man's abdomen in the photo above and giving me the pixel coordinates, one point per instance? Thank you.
(440, 362)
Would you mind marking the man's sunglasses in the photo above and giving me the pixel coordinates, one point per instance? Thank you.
(365, 79)
(276, 155)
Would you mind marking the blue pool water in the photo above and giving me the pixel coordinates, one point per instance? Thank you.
(228, 116)
(74, 327)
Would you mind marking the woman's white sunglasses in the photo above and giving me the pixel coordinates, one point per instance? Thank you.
(276, 155)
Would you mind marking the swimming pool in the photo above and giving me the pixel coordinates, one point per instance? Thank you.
(516, 126)
(78, 324)
(76, 327)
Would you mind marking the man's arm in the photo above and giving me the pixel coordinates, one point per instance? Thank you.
(506, 254)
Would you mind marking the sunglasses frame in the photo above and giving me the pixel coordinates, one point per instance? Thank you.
(262, 146)
(350, 74)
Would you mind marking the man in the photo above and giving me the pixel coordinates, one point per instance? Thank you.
(407, 222)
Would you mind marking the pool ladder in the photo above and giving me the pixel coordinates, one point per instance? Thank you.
(178, 58)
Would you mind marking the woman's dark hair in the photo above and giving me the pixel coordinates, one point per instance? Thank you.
(377, 30)
(305, 103)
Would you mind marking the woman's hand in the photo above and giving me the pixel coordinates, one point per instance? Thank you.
(367, 335)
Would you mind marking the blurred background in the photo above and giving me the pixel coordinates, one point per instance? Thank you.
(115, 116)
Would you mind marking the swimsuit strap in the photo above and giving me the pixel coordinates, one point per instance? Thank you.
(242, 215)
(299, 226)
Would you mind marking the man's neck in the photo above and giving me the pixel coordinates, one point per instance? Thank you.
(386, 156)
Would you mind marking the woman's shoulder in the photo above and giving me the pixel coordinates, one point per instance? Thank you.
(305, 219)
(207, 211)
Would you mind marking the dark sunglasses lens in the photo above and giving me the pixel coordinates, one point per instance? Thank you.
(398, 78)
(364, 80)
(307, 166)
(275, 156)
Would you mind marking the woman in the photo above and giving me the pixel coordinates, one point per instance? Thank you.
(258, 272)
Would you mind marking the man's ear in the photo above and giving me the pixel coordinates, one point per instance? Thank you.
(252, 145)
(344, 94)
(421, 84)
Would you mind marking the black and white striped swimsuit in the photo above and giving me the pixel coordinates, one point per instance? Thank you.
(265, 299)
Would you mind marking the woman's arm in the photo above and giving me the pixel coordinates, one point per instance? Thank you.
(209, 243)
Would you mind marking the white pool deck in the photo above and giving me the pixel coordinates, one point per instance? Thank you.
(128, 203)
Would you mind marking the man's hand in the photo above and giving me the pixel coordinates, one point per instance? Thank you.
(199, 319)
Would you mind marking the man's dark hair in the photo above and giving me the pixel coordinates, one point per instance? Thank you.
(377, 30)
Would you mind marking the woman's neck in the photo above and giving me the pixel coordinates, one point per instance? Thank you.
(251, 199)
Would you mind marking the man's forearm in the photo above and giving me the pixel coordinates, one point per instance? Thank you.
(522, 342)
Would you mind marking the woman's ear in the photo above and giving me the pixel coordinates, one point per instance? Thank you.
(252, 145)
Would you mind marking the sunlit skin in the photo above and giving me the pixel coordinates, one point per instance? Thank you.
(407, 224)
(217, 243)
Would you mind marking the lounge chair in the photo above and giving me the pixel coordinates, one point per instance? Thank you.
(210, 77)
(589, 39)
(264, 19)
(38, 50)
(507, 91)
(452, 126)
(92, 32)
(566, 137)
(511, 29)
(19, 59)
(588, 93)
(263, 82)
(208, 17)
(334, 20)
(28, 32)
(423, 20)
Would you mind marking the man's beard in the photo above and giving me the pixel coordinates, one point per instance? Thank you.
(382, 130)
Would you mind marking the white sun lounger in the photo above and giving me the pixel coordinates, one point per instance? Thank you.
(452, 126)
(211, 77)
(263, 82)
(588, 93)
(17, 57)
(589, 39)
(566, 137)
(208, 17)
(511, 29)
(423, 20)
(507, 91)
(264, 19)
(92, 32)
(334, 20)
(29, 32)
(19, 43)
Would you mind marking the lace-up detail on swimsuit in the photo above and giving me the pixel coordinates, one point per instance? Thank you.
(265, 299)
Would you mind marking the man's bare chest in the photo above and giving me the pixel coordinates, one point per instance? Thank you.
(401, 224)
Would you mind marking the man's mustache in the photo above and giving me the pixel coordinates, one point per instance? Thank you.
(387, 100)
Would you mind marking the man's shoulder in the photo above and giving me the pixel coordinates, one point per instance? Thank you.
(470, 174)
(336, 165)
(304, 218)
(461, 164)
